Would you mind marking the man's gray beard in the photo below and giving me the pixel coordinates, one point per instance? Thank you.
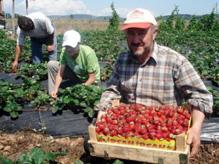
(137, 54)
(142, 53)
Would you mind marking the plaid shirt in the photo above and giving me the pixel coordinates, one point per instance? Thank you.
(166, 78)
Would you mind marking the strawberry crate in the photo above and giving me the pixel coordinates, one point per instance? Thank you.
(137, 147)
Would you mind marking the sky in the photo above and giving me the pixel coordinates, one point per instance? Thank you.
(102, 7)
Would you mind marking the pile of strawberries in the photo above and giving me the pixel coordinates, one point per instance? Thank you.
(136, 120)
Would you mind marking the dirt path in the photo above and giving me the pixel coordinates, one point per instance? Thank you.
(13, 145)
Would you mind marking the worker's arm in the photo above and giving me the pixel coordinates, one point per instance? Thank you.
(91, 79)
(18, 50)
(195, 131)
(58, 81)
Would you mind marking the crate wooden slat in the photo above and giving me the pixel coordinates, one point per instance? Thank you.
(137, 153)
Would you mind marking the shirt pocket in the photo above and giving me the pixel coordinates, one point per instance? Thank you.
(128, 84)
(165, 89)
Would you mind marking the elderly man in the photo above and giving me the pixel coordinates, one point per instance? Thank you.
(77, 62)
(41, 31)
(152, 74)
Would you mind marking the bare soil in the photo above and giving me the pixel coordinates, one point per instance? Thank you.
(13, 145)
(208, 154)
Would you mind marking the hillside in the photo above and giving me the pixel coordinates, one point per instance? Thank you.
(106, 18)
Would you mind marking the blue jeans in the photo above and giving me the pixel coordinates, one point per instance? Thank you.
(36, 48)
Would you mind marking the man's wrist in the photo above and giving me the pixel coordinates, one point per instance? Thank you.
(55, 90)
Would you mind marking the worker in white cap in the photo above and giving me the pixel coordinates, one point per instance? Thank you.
(77, 62)
(156, 75)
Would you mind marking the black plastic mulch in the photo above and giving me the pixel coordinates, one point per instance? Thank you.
(66, 123)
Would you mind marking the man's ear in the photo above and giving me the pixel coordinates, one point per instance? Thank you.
(155, 33)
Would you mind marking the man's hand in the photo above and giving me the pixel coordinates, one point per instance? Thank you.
(194, 140)
(53, 94)
(98, 107)
(195, 131)
(50, 48)
(14, 66)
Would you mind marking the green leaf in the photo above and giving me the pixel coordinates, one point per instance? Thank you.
(96, 102)
(55, 109)
(24, 159)
(76, 102)
(19, 108)
(83, 104)
(19, 92)
(3, 160)
(50, 156)
(118, 162)
(38, 156)
(7, 109)
(66, 99)
(86, 110)
(14, 114)
(91, 113)
(78, 162)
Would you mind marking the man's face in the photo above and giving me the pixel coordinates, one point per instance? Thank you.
(72, 52)
(140, 41)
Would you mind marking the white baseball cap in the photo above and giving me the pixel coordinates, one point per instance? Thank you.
(71, 38)
(139, 18)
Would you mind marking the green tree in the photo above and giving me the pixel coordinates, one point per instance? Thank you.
(174, 21)
(171, 18)
(114, 21)
(194, 24)
(208, 22)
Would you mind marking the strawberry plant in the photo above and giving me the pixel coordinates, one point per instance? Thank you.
(10, 98)
(107, 44)
(35, 156)
(105, 71)
(35, 71)
(79, 97)
(41, 99)
(13, 97)
(7, 52)
(38, 156)
(3, 160)
(215, 94)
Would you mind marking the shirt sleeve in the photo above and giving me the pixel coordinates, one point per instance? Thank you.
(20, 37)
(112, 92)
(49, 27)
(92, 62)
(194, 91)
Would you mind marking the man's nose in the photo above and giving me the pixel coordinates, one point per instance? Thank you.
(136, 38)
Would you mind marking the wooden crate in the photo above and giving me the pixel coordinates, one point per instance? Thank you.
(138, 153)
